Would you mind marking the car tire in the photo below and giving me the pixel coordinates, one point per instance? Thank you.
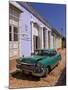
(38, 74)
(58, 63)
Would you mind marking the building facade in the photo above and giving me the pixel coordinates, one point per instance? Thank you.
(29, 31)
(14, 14)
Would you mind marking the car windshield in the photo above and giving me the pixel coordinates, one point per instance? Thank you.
(45, 52)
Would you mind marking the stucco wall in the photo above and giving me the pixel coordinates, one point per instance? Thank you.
(26, 32)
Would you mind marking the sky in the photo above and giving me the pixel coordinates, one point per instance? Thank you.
(55, 14)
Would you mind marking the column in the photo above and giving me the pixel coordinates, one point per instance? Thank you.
(51, 41)
(46, 39)
(41, 36)
(51, 46)
(32, 44)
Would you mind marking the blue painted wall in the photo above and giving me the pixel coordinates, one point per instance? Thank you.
(26, 31)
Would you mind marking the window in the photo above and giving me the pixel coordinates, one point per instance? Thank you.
(45, 52)
(10, 34)
(15, 34)
(38, 52)
(53, 53)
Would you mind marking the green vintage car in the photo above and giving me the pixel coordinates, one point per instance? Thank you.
(40, 63)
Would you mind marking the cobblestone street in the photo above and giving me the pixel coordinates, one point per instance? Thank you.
(55, 78)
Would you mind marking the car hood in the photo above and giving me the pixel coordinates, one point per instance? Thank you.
(33, 59)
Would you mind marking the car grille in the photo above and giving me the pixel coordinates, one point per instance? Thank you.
(26, 66)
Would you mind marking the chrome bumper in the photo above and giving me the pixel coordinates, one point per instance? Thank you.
(25, 67)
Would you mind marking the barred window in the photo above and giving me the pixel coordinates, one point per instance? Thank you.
(10, 34)
(15, 34)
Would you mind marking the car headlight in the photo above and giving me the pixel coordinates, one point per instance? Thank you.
(39, 65)
(18, 60)
(38, 68)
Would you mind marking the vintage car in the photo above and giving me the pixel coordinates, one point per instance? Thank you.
(39, 63)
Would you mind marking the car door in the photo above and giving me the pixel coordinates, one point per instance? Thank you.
(54, 60)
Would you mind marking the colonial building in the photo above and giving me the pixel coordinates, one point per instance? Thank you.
(29, 31)
(57, 39)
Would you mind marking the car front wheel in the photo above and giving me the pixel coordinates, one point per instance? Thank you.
(43, 72)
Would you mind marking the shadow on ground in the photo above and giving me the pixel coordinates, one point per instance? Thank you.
(62, 79)
(22, 76)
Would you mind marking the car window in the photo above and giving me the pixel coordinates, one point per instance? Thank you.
(38, 52)
(45, 52)
(41, 52)
(52, 53)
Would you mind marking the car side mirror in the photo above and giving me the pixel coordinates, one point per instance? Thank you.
(22, 55)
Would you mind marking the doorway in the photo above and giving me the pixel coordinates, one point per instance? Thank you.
(36, 41)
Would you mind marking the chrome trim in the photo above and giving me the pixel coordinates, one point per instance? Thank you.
(27, 64)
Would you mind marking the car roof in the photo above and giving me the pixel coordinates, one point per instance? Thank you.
(46, 49)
